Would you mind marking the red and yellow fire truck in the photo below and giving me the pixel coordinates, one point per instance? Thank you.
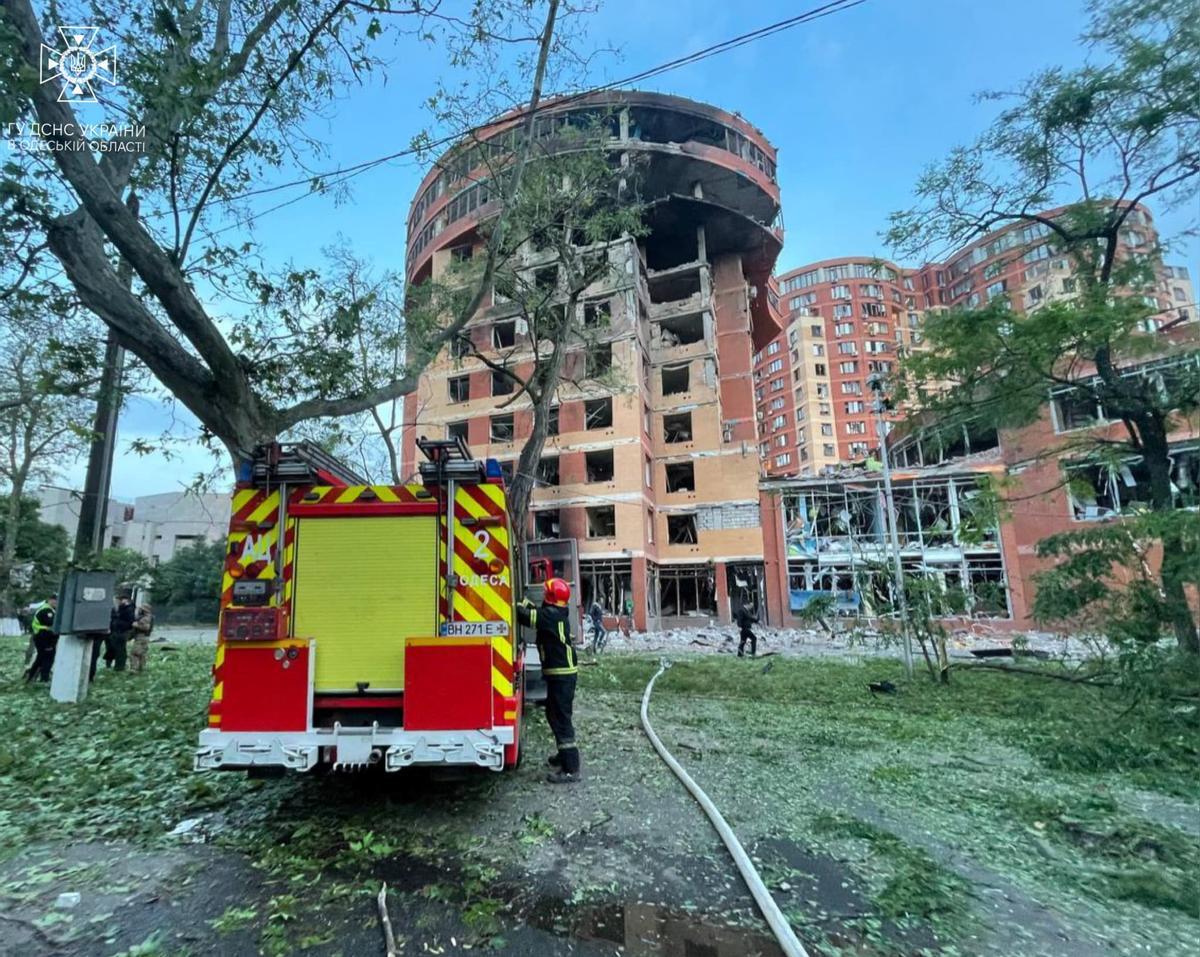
(365, 624)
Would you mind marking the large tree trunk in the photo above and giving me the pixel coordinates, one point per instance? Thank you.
(1174, 559)
(8, 551)
(520, 492)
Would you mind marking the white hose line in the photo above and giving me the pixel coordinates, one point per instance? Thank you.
(758, 890)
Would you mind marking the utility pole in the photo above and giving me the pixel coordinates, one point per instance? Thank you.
(93, 506)
(875, 383)
(72, 661)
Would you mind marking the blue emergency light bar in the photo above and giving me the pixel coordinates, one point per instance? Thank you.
(493, 469)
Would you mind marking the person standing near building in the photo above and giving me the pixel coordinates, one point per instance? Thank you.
(45, 640)
(744, 622)
(552, 625)
(140, 649)
(599, 633)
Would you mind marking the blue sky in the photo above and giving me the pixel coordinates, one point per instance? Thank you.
(857, 104)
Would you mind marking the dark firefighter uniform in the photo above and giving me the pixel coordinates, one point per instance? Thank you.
(553, 627)
(45, 642)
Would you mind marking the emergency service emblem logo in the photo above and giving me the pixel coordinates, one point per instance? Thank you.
(79, 65)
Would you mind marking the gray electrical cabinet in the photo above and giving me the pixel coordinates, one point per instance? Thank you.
(85, 602)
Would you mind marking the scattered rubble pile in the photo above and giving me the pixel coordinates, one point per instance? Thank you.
(851, 643)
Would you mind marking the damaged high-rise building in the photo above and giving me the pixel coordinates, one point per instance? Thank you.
(652, 469)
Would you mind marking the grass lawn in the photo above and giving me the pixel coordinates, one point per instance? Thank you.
(1001, 815)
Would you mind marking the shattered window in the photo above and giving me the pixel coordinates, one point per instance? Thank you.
(546, 523)
(599, 360)
(1105, 490)
(547, 471)
(598, 313)
(460, 388)
(1076, 410)
(686, 590)
(933, 512)
(501, 383)
(675, 379)
(601, 521)
(609, 583)
(545, 279)
(455, 430)
(681, 330)
(598, 413)
(599, 465)
(504, 334)
(501, 428)
(677, 427)
(681, 529)
(681, 477)
(987, 588)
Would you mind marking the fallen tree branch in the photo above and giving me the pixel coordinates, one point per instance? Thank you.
(1038, 672)
(584, 828)
(389, 938)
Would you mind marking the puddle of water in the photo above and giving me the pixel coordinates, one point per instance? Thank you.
(647, 930)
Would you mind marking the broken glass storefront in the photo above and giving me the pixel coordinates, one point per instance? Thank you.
(608, 582)
(685, 591)
(1102, 490)
(838, 545)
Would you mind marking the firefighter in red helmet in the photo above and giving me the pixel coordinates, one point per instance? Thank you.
(552, 625)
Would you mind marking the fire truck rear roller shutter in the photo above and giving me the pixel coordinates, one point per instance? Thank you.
(362, 586)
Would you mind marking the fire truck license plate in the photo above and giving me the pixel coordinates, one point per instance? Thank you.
(472, 629)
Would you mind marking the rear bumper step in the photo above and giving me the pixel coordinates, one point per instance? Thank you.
(352, 748)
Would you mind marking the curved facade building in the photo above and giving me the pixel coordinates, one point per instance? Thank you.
(656, 479)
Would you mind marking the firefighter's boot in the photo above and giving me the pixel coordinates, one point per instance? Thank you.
(563, 777)
(555, 760)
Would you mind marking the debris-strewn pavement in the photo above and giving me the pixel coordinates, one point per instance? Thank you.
(850, 642)
(986, 818)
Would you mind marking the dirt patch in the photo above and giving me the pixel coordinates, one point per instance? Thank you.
(126, 895)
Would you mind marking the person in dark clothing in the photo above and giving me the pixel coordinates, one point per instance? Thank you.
(744, 621)
(553, 629)
(122, 629)
(116, 643)
(45, 640)
(599, 633)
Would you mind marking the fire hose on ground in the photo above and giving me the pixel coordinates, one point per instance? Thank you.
(758, 890)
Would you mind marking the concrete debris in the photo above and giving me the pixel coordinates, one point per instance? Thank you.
(850, 643)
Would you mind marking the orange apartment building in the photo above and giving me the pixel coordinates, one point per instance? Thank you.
(728, 376)
(824, 528)
(656, 479)
(846, 318)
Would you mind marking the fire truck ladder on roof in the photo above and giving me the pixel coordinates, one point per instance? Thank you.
(449, 460)
(300, 463)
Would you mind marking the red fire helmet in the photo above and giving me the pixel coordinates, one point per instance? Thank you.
(558, 592)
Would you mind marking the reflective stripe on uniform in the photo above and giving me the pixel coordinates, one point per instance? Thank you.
(562, 636)
(37, 626)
